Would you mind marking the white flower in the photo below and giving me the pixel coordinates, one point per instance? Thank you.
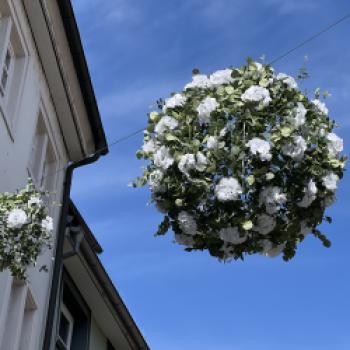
(186, 240)
(304, 228)
(261, 147)
(335, 144)
(17, 218)
(37, 201)
(165, 124)
(190, 162)
(320, 106)
(296, 148)
(265, 224)
(212, 142)
(330, 181)
(187, 223)
(275, 251)
(232, 235)
(257, 94)
(272, 198)
(300, 113)
(47, 224)
(206, 107)
(228, 189)
(150, 146)
(162, 158)
(223, 132)
(309, 196)
(174, 101)
(259, 66)
(199, 81)
(266, 245)
(201, 161)
(155, 178)
(187, 163)
(287, 80)
(221, 77)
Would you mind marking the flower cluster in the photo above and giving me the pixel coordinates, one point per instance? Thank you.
(25, 229)
(242, 162)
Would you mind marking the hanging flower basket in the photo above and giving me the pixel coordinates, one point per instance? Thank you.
(25, 229)
(242, 162)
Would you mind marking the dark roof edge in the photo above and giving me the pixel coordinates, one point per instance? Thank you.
(89, 236)
(82, 70)
(107, 285)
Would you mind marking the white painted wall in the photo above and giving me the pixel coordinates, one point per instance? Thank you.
(16, 137)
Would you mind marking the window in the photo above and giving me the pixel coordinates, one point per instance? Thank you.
(42, 165)
(13, 65)
(6, 57)
(65, 329)
(73, 329)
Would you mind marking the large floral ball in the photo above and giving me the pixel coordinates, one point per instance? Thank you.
(242, 162)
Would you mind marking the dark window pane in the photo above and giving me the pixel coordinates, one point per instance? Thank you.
(8, 59)
(64, 328)
(4, 79)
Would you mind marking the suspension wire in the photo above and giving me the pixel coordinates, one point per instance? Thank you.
(311, 38)
(278, 58)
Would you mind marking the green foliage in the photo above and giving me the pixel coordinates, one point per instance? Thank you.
(25, 229)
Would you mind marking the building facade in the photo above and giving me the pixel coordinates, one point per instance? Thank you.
(49, 125)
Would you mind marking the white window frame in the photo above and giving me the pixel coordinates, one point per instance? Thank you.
(5, 48)
(64, 310)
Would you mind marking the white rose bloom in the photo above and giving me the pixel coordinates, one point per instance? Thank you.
(287, 80)
(335, 144)
(272, 198)
(212, 142)
(199, 81)
(221, 77)
(309, 196)
(330, 181)
(37, 201)
(266, 245)
(295, 149)
(300, 113)
(232, 235)
(258, 66)
(304, 228)
(165, 124)
(261, 147)
(257, 94)
(155, 178)
(16, 218)
(187, 223)
(228, 189)
(174, 101)
(265, 224)
(150, 146)
(186, 240)
(187, 163)
(162, 158)
(223, 132)
(47, 224)
(320, 106)
(275, 251)
(201, 161)
(206, 107)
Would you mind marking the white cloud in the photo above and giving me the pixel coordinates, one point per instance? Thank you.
(286, 7)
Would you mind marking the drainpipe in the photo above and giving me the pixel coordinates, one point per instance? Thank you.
(58, 264)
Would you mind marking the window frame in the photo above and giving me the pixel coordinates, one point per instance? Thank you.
(60, 342)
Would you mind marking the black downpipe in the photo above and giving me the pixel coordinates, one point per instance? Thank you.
(58, 264)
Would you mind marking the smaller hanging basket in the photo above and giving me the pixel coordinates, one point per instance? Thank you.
(25, 229)
(242, 162)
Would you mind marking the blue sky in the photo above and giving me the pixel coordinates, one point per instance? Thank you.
(140, 50)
